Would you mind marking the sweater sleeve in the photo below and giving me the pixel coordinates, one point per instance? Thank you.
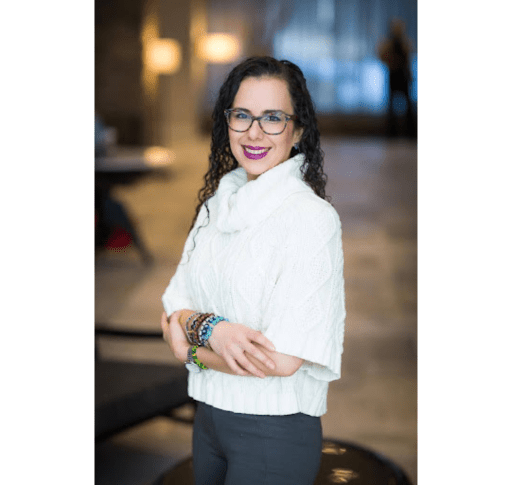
(306, 311)
(177, 295)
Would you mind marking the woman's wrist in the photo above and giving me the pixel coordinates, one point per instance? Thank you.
(198, 327)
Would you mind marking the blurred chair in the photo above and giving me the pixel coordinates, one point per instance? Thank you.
(342, 462)
(129, 393)
(113, 223)
(116, 165)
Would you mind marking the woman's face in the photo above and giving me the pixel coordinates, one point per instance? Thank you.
(257, 96)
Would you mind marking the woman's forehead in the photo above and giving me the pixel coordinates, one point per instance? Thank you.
(263, 94)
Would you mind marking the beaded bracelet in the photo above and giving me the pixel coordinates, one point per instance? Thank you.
(201, 321)
(199, 330)
(207, 329)
(187, 328)
(190, 318)
(196, 360)
(195, 327)
(205, 325)
(190, 327)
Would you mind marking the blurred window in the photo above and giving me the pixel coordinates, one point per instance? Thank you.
(334, 42)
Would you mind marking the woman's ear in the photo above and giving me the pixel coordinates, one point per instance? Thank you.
(297, 135)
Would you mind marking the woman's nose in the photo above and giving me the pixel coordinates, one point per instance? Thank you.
(255, 130)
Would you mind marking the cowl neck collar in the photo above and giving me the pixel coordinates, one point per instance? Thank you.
(241, 203)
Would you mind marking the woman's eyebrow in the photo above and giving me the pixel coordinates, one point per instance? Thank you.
(264, 112)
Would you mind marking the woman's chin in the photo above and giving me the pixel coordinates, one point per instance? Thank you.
(252, 175)
(254, 171)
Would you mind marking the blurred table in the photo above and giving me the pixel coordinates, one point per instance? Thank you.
(133, 159)
(121, 165)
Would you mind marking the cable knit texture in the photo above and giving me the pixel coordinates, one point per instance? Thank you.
(270, 257)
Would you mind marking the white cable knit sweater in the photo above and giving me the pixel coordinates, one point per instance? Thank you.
(270, 257)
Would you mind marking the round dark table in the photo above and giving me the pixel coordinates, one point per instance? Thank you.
(342, 462)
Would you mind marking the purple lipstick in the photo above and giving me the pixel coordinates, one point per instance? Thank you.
(255, 153)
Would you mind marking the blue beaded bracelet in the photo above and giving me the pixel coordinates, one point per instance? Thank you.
(207, 328)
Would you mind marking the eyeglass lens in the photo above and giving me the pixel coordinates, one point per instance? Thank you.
(273, 124)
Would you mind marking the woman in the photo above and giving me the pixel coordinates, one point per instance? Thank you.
(259, 290)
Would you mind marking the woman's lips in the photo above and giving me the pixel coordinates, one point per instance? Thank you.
(255, 153)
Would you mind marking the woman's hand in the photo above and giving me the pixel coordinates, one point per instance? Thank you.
(233, 340)
(175, 336)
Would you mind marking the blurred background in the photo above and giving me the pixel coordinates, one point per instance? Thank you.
(159, 63)
(158, 67)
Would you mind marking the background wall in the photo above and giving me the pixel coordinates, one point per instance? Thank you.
(118, 67)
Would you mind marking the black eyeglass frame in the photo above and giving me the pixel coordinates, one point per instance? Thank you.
(288, 117)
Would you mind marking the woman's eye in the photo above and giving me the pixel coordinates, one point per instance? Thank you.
(240, 116)
(273, 118)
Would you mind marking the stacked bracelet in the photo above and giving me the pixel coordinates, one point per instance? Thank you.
(207, 329)
(199, 327)
(197, 324)
(187, 328)
(191, 327)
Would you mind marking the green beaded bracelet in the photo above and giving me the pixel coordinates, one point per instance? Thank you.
(196, 360)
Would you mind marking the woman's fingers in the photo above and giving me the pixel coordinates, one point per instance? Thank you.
(172, 337)
(164, 324)
(234, 343)
(260, 355)
(233, 365)
(239, 363)
(173, 331)
(247, 367)
(178, 340)
(245, 363)
(259, 338)
(163, 320)
(177, 333)
(251, 368)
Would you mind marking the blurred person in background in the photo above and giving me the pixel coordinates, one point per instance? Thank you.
(256, 307)
(100, 145)
(395, 52)
(105, 137)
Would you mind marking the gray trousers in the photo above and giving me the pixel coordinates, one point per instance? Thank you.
(247, 449)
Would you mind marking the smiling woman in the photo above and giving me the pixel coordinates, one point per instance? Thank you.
(256, 307)
(254, 149)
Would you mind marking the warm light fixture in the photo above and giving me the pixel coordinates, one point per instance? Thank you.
(163, 55)
(158, 156)
(218, 48)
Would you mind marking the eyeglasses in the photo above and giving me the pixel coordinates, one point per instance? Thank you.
(273, 123)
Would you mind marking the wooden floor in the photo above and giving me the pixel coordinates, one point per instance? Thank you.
(372, 183)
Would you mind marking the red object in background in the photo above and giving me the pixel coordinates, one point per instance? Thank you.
(119, 239)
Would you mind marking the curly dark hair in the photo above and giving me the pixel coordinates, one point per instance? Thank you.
(221, 159)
